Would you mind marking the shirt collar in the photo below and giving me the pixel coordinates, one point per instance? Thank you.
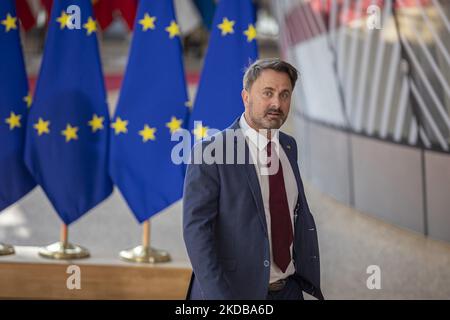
(259, 140)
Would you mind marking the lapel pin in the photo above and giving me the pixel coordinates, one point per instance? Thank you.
(288, 147)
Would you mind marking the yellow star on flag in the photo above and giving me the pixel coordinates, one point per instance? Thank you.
(147, 22)
(13, 120)
(147, 133)
(226, 26)
(174, 124)
(120, 126)
(250, 33)
(90, 26)
(173, 29)
(42, 126)
(200, 131)
(70, 133)
(9, 22)
(64, 20)
(96, 123)
(28, 99)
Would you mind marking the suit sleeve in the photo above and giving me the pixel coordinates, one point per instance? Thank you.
(200, 209)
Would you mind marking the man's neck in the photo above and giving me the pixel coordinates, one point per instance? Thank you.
(253, 126)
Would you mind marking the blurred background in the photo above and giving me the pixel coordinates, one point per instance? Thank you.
(371, 115)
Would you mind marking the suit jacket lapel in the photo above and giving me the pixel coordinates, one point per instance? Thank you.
(292, 156)
(252, 178)
(253, 182)
(291, 153)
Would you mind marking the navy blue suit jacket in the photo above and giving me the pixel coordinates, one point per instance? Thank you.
(225, 230)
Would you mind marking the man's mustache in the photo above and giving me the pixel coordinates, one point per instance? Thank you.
(274, 111)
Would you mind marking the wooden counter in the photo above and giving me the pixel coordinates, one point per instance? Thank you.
(26, 275)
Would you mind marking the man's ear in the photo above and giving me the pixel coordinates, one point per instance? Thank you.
(244, 94)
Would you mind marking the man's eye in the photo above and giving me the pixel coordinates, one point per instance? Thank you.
(284, 95)
(267, 94)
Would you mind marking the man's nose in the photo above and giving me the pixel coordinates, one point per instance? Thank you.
(275, 102)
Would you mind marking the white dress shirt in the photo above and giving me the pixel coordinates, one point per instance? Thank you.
(257, 144)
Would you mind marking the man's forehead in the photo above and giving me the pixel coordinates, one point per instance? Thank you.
(273, 79)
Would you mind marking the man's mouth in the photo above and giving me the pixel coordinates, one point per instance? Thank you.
(274, 114)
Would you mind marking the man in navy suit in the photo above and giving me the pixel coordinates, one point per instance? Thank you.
(247, 226)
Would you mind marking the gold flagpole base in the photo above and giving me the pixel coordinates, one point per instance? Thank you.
(144, 254)
(6, 249)
(63, 251)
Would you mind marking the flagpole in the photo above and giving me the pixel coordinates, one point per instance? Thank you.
(146, 234)
(6, 249)
(64, 235)
(64, 250)
(145, 253)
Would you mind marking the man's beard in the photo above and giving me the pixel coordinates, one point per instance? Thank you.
(266, 123)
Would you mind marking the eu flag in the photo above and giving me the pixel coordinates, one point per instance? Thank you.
(152, 105)
(67, 136)
(232, 47)
(15, 181)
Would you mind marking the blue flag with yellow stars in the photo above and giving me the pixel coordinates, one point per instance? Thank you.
(152, 105)
(67, 136)
(232, 48)
(15, 180)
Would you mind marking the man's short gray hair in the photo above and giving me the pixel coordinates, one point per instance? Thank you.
(254, 71)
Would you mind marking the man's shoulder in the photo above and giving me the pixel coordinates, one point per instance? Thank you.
(284, 137)
(226, 135)
(234, 132)
(215, 138)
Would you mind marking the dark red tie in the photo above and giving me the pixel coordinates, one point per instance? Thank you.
(280, 219)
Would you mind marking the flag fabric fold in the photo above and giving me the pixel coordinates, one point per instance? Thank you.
(67, 132)
(232, 47)
(152, 105)
(15, 180)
